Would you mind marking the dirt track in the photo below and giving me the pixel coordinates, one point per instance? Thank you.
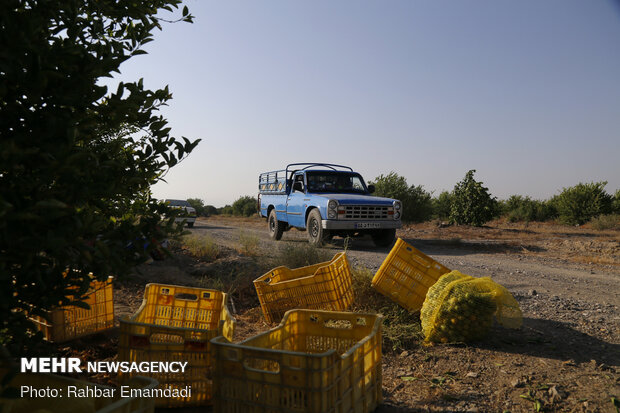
(566, 357)
(520, 273)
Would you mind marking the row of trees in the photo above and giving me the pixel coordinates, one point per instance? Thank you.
(245, 206)
(471, 203)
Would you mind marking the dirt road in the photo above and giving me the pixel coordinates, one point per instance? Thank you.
(566, 357)
(520, 273)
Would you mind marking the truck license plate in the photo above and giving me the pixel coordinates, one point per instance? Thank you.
(367, 225)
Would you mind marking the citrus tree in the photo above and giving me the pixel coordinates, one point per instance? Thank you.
(417, 202)
(76, 160)
(472, 204)
(578, 204)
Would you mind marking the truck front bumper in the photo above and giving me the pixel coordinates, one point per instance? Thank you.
(359, 225)
(186, 219)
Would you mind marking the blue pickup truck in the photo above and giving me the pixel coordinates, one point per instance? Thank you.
(326, 200)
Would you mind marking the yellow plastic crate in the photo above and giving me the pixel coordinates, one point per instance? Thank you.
(63, 404)
(70, 322)
(314, 361)
(406, 275)
(175, 324)
(324, 286)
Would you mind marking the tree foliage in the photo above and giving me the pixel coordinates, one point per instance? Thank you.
(472, 204)
(615, 205)
(198, 204)
(210, 210)
(442, 205)
(76, 161)
(578, 204)
(417, 203)
(244, 206)
(524, 208)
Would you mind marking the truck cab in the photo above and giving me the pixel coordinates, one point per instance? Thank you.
(326, 200)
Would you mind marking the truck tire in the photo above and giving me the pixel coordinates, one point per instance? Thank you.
(316, 234)
(275, 227)
(383, 237)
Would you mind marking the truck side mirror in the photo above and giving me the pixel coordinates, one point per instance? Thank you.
(298, 186)
(371, 189)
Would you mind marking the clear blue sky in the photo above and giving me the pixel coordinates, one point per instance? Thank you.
(526, 92)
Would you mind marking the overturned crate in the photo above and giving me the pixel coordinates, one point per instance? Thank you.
(406, 275)
(314, 361)
(88, 397)
(70, 322)
(325, 286)
(175, 324)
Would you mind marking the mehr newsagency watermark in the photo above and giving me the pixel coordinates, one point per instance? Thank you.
(74, 365)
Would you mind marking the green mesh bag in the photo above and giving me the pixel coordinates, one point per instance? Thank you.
(460, 308)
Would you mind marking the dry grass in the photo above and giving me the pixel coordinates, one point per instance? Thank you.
(202, 247)
(605, 222)
(254, 221)
(248, 244)
(295, 255)
(401, 328)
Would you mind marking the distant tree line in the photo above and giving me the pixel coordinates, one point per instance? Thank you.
(470, 203)
(245, 206)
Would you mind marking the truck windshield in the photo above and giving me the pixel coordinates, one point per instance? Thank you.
(177, 203)
(335, 182)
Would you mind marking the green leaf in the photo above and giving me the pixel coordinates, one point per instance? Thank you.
(538, 405)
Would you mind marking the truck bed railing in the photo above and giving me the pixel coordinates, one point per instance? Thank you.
(273, 182)
(277, 182)
(309, 165)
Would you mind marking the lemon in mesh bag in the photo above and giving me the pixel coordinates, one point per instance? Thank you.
(459, 308)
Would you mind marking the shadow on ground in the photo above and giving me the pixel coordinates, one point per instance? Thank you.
(553, 340)
(446, 247)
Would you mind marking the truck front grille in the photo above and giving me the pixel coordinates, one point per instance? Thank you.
(364, 212)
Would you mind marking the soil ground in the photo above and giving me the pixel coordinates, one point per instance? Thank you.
(565, 358)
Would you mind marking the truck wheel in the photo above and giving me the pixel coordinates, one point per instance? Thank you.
(276, 228)
(383, 237)
(316, 233)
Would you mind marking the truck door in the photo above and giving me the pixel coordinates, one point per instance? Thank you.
(295, 202)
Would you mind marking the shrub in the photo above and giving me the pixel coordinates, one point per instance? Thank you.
(225, 210)
(442, 205)
(520, 208)
(202, 247)
(471, 202)
(244, 206)
(248, 243)
(295, 255)
(580, 203)
(603, 222)
(417, 202)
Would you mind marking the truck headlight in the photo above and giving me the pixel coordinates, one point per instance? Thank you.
(397, 209)
(332, 207)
